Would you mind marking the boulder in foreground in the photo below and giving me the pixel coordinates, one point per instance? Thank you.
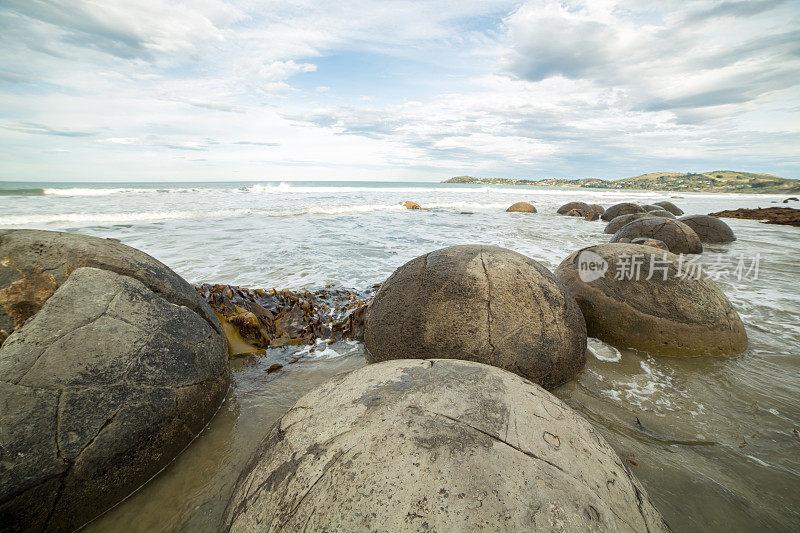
(679, 315)
(479, 303)
(521, 207)
(709, 229)
(104, 385)
(438, 445)
(679, 238)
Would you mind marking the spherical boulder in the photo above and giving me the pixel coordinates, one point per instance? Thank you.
(411, 205)
(107, 380)
(615, 225)
(680, 238)
(709, 229)
(592, 215)
(597, 208)
(566, 208)
(479, 303)
(652, 207)
(669, 206)
(625, 208)
(663, 213)
(675, 312)
(521, 207)
(438, 445)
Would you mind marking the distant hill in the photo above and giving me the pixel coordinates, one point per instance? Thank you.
(714, 181)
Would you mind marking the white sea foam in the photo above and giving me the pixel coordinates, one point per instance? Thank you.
(603, 351)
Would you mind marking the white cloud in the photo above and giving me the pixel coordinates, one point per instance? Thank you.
(422, 89)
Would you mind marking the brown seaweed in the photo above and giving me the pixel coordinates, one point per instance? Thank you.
(272, 319)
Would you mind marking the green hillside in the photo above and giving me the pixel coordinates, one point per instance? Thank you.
(714, 181)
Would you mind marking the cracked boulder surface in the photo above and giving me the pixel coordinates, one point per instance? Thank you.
(679, 238)
(436, 445)
(103, 386)
(677, 316)
(479, 303)
(669, 206)
(34, 263)
(620, 221)
(624, 208)
(710, 229)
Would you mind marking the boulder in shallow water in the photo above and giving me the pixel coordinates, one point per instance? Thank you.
(679, 315)
(615, 225)
(104, 384)
(709, 229)
(479, 303)
(679, 238)
(592, 215)
(624, 208)
(438, 445)
(663, 213)
(669, 206)
(597, 208)
(411, 205)
(521, 207)
(566, 208)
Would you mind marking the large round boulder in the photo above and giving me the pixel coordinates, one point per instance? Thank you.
(597, 208)
(663, 213)
(521, 207)
(615, 225)
(651, 207)
(436, 445)
(709, 229)
(679, 238)
(566, 208)
(106, 381)
(624, 208)
(669, 206)
(479, 303)
(675, 312)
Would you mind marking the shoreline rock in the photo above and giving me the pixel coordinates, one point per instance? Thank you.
(479, 303)
(435, 445)
(677, 316)
(787, 216)
(521, 207)
(107, 379)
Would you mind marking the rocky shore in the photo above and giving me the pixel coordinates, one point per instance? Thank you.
(787, 216)
(112, 364)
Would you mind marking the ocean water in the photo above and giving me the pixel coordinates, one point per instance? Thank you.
(716, 443)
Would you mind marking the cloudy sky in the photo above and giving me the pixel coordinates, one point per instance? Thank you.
(95, 90)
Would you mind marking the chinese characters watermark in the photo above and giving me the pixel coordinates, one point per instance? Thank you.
(592, 266)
